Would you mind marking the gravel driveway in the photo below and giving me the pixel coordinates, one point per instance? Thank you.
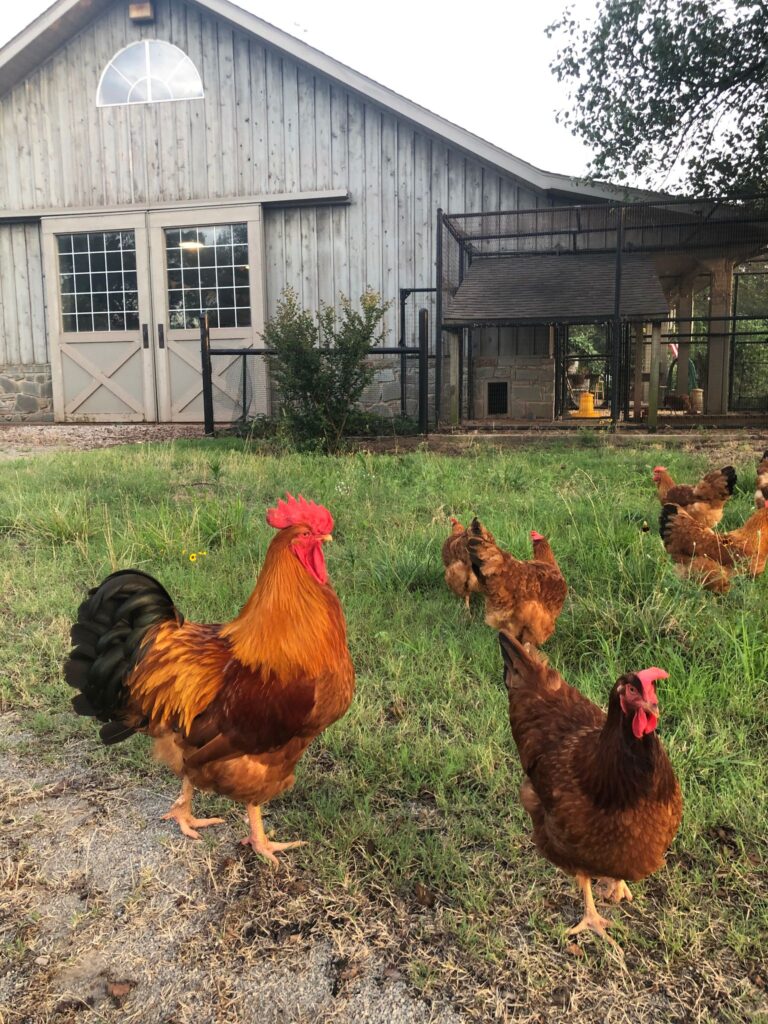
(34, 439)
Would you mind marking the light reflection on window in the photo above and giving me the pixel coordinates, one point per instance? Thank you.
(151, 71)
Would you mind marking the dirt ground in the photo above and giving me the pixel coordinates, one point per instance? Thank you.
(108, 914)
(24, 440)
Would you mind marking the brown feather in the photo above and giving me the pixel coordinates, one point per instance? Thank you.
(602, 803)
(522, 598)
(710, 557)
(705, 501)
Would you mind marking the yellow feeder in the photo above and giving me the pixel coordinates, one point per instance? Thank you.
(586, 408)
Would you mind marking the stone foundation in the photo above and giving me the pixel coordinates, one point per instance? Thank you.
(530, 386)
(26, 393)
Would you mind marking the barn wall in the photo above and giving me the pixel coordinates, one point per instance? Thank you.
(266, 125)
(25, 378)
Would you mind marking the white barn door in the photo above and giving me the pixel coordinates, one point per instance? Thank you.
(126, 293)
(99, 305)
(208, 261)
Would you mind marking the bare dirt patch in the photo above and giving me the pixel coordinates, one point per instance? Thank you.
(106, 914)
(19, 441)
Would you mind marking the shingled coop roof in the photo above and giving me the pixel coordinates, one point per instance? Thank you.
(548, 288)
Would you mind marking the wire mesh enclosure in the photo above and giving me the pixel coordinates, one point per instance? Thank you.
(598, 276)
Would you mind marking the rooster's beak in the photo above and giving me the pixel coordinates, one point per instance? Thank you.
(326, 537)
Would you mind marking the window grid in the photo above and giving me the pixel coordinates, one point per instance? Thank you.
(149, 71)
(208, 272)
(97, 281)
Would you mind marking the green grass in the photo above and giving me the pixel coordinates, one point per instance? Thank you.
(417, 785)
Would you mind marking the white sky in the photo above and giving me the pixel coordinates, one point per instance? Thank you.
(488, 73)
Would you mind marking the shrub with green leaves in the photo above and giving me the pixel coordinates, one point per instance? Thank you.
(320, 367)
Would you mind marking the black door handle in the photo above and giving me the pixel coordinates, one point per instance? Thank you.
(161, 336)
(145, 335)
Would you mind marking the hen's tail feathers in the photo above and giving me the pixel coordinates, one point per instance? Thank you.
(106, 639)
(520, 664)
(477, 545)
(667, 519)
(730, 478)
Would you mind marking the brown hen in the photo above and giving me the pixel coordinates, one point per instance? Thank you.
(460, 577)
(704, 502)
(522, 598)
(600, 789)
(761, 491)
(714, 558)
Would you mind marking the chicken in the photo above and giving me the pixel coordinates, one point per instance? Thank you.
(761, 491)
(231, 708)
(600, 789)
(705, 501)
(522, 599)
(459, 574)
(714, 558)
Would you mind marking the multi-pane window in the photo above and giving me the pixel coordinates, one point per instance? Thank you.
(208, 272)
(97, 281)
(150, 71)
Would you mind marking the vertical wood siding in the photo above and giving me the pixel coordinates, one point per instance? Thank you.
(266, 125)
(22, 306)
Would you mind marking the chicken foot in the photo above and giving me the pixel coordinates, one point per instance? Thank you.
(258, 837)
(591, 920)
(181, 812)
(615, 889)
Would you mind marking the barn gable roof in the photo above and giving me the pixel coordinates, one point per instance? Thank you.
(65, 18)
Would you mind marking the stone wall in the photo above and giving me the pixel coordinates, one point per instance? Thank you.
(382, 396)
(530, 385)
(26, 393)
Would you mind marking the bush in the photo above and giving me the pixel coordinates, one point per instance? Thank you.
(320, 367)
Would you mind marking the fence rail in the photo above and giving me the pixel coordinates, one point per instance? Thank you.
(420, 351)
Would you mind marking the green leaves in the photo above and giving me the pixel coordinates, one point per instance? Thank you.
(320, 369)
(670, 91)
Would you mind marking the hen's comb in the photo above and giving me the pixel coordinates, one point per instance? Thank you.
(648, 677)
(290, 511)
(659, 469)
(536, 536)
(455, 521)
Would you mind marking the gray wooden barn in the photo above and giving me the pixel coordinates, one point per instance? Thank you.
(159, 159)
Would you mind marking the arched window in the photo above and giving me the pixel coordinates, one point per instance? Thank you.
(150, 71)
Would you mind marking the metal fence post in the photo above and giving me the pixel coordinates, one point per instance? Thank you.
(205, 362)
(439, 316)
(423, 371)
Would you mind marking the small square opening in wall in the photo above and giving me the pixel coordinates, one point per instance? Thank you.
(498, 398)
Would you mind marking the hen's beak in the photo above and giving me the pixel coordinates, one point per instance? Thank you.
(648, 708)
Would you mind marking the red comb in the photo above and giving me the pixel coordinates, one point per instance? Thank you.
(455, 521)
(536, 536)
(659, 469)
(648, 677)
(290, 511)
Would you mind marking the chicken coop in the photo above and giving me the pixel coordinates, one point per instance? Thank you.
(619, 311)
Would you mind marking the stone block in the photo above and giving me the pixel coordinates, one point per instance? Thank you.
(7, 385)
(26, 403)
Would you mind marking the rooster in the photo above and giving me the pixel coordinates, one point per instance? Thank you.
(600, 789)
(231, 708)
(459, 575)
(522, 598)
(714, 558)
(705, 501)
(761, 492)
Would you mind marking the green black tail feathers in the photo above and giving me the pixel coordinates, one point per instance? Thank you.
(474, 544)
(111, 624)
(730, 478)
(666, 520)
